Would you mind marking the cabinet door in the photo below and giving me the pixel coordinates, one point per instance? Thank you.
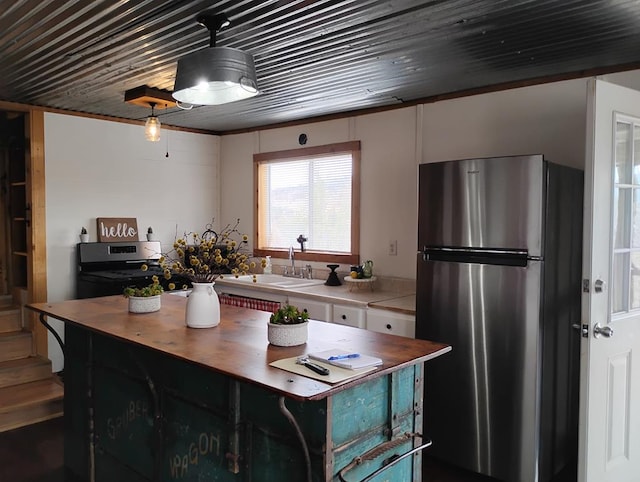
(385, 321)
(318, 310)
(349, 315)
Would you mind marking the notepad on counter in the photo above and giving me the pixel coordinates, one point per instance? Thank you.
(346, 359)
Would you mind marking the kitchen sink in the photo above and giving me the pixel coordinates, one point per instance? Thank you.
(274, 280)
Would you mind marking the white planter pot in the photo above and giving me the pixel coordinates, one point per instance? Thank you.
(287, 335)
(144, 304)
(84, 238)
(151, 237)
(203, 307)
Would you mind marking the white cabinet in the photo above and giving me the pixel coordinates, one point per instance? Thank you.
(358, 316)
(349, 315)
(318, 310)
(323, 311)
(385, 321)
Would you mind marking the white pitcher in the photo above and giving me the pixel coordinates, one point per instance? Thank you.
(203, 306)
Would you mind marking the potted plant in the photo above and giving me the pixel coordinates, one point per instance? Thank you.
(84, 235)
(288, 326)
(145, 299)
(150, 236)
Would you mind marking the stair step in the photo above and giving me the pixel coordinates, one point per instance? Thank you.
(10, 319)
(15, 345)
(24, 370)
(28, 403)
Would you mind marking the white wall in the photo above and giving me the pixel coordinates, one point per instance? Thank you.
(387, 178)
(96, 168)
(549, 119)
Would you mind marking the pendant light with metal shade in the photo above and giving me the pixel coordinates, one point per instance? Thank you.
(215, 75)
(152, 126)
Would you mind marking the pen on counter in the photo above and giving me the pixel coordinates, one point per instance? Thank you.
(343, 357)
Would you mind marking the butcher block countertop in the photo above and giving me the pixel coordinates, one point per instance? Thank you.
(238, 346)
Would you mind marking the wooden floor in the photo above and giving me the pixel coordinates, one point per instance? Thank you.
(35, 454)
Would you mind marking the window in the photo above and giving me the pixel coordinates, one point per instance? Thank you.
(311, 191)
(625, 279)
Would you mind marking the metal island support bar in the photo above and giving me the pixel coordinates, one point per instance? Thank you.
(148, 399)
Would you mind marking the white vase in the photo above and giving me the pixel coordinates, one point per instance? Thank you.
(144, 304)
(203, 307)
(287, 335)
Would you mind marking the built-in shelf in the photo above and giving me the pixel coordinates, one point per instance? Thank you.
(17, 156)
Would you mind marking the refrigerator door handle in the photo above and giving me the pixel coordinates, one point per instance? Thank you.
(467, 250)
(506, 257)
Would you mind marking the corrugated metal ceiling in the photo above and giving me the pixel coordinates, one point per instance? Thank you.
(313, 58)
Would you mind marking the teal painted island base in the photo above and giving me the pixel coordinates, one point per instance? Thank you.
(142, 410)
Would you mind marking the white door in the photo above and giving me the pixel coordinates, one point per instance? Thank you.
(610, 365)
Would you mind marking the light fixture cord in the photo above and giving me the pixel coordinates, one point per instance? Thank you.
(167, 153)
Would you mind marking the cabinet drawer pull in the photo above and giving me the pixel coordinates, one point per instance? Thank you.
(344, 317)
(381, 449)
(388, 326)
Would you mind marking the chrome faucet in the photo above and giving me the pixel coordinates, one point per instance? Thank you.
(292, 258)
(305, 272)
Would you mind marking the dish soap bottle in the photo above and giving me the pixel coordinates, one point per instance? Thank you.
(267, 266)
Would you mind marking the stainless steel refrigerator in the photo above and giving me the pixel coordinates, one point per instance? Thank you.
(498, 278)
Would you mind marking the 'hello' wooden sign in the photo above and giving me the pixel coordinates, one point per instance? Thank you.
(117, 229)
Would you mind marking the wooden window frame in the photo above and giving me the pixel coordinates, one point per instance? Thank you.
(309, 255)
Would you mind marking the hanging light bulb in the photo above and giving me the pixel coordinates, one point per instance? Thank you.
(152, 126)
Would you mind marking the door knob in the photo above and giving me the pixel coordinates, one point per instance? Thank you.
(605, 331)
(599, 286)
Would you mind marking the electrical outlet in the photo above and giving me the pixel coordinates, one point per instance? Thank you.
(393, 247)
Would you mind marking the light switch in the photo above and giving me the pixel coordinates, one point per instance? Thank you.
(393, 247)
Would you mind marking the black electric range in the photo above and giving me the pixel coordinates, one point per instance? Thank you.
(108, 268)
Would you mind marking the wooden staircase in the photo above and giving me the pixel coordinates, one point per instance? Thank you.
(29, 392)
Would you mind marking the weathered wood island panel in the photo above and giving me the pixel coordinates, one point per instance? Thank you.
(148, 399)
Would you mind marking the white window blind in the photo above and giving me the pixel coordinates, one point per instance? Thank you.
(309, 196)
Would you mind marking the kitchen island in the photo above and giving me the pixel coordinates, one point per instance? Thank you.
(148, 399)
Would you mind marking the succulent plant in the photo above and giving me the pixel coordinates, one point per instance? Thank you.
(289, 315)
